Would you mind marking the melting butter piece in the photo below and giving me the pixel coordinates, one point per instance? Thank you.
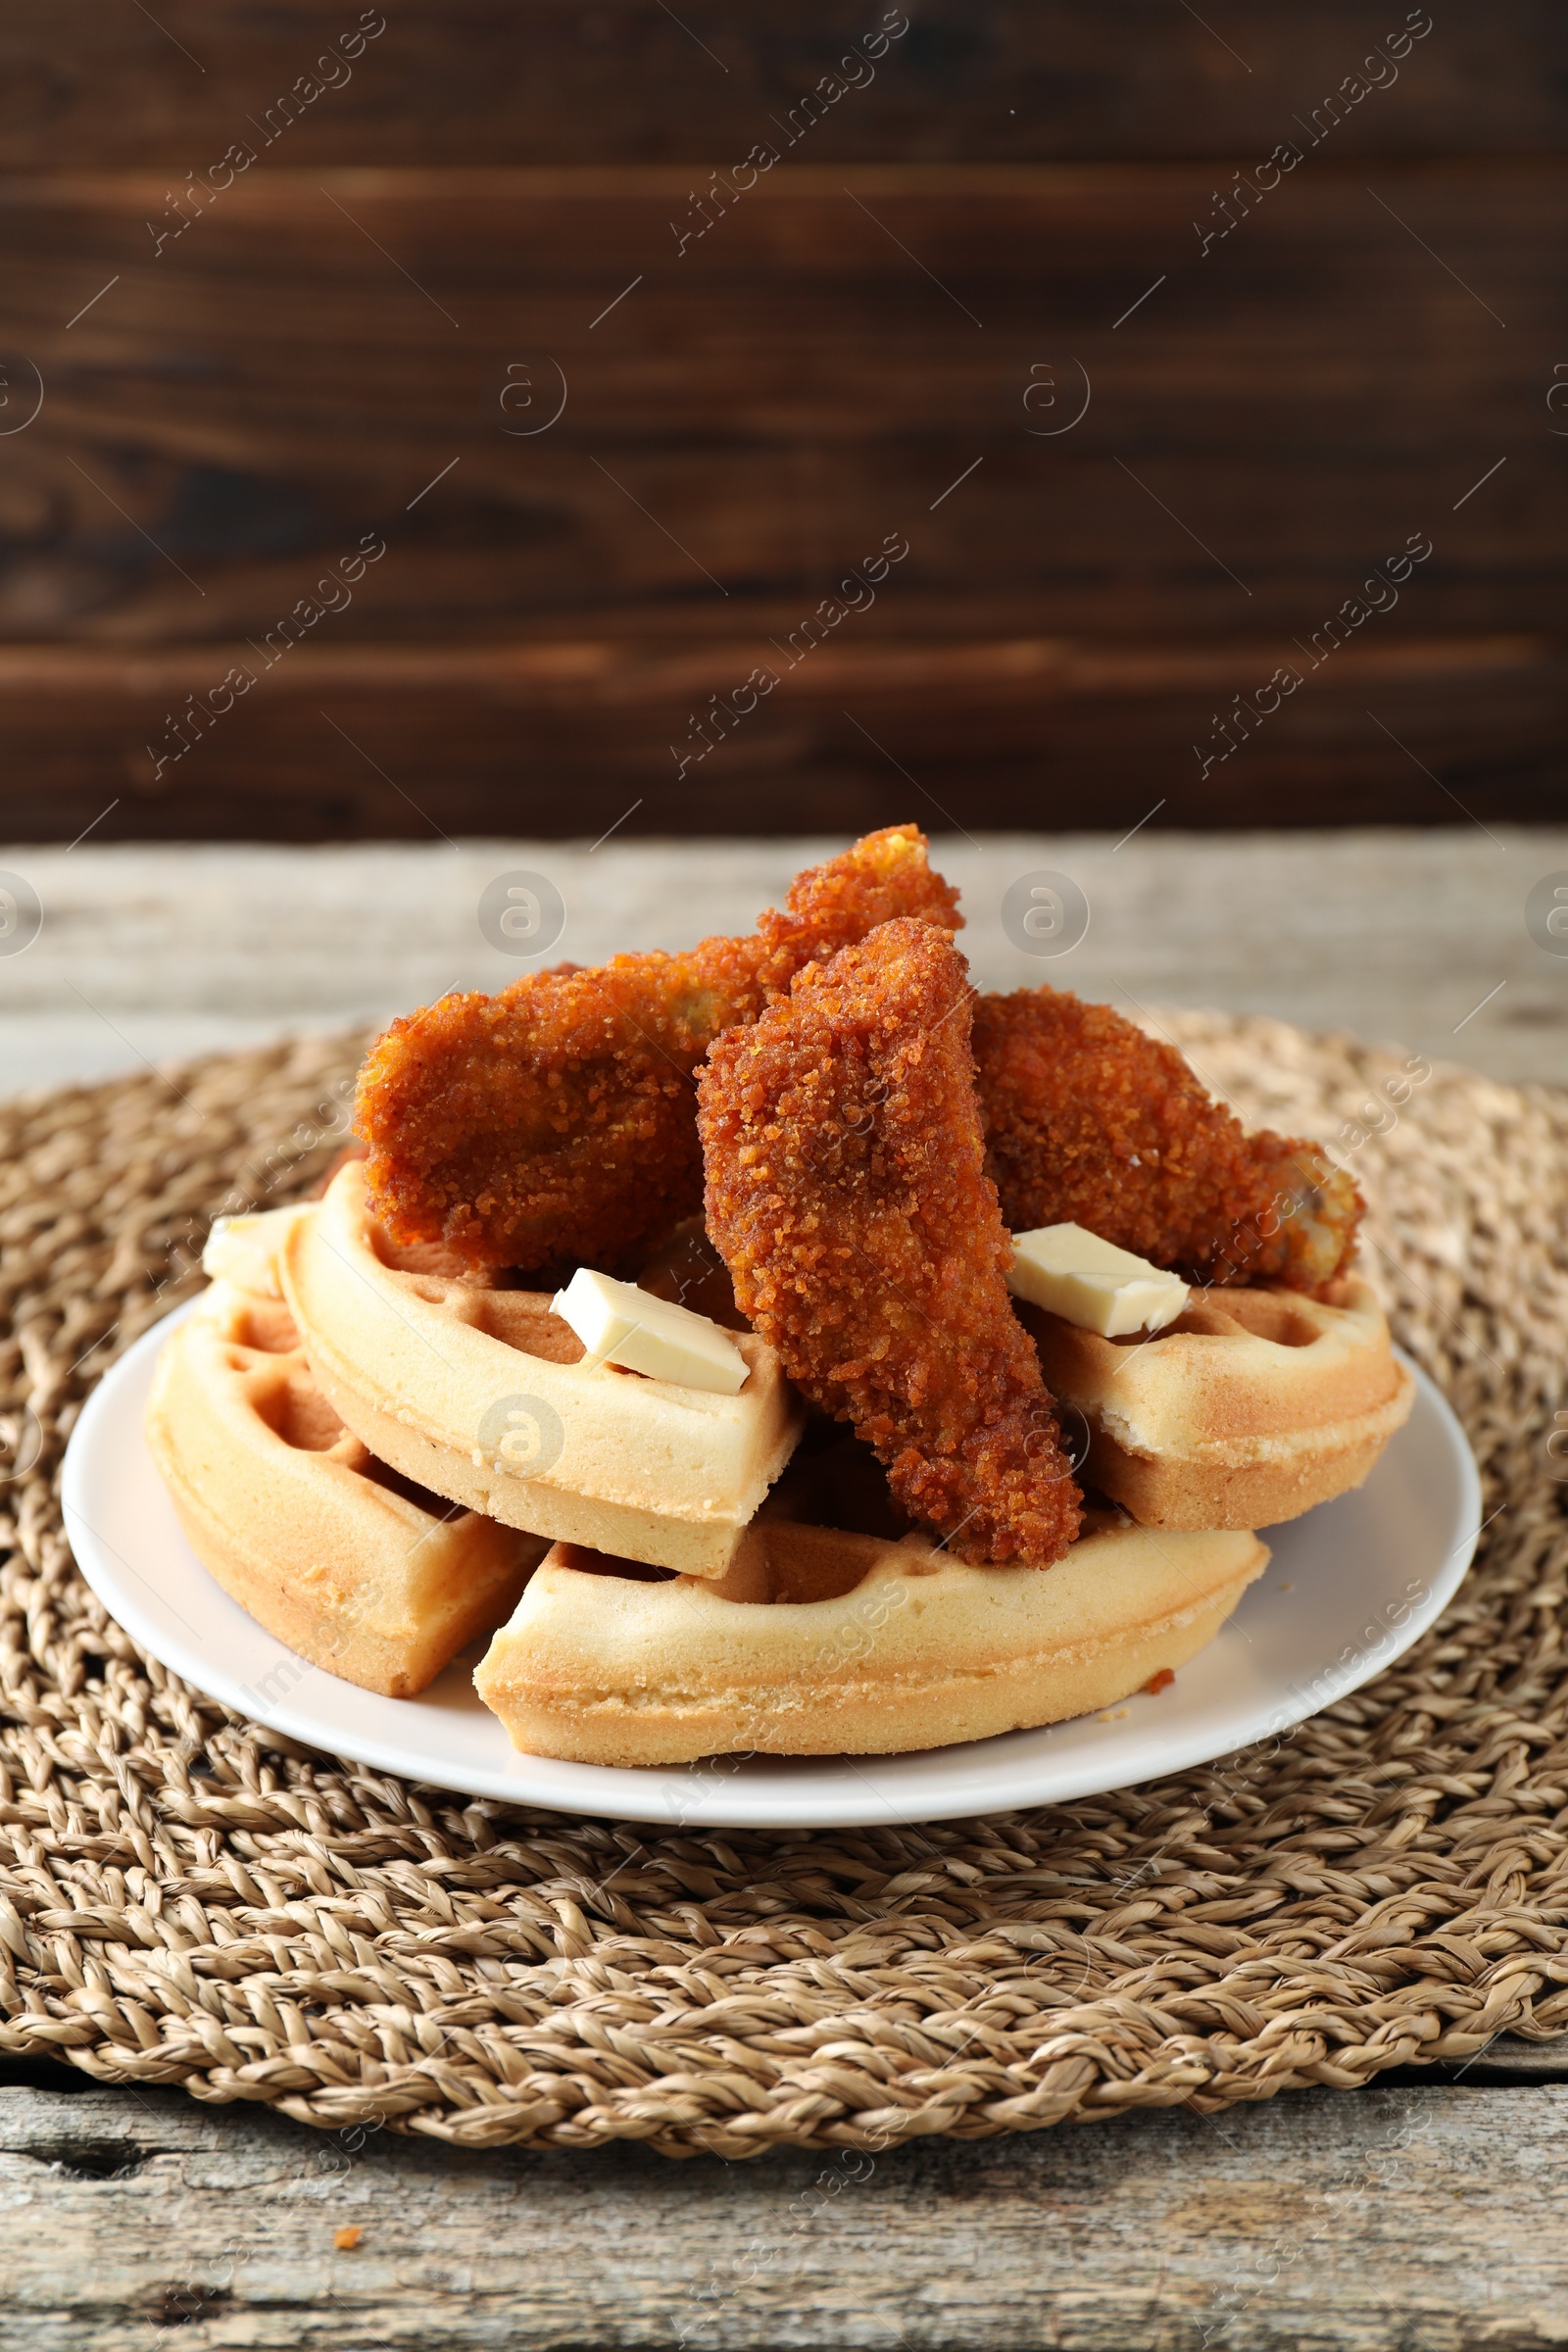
(245, 1251)
(1093, 1283)
(620, 1324)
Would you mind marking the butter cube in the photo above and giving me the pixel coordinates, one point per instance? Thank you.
(244, 1251)
(620, 1324)
(1091, 1283)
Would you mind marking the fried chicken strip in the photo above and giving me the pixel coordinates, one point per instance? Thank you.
(554, 1120)
(1090, 1122)
(846, 1194)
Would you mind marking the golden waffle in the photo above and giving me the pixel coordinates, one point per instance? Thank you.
(824, 1642)
(839, 1630)
(484, 1396)
(1253, 1407)
(342, 1558)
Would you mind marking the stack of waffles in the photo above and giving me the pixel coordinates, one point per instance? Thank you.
(386, 1456)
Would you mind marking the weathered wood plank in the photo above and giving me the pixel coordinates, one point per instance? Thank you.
(780, 399)
(1402, 937)
(1389, 2217)
(389, 742)
(557, 81)
(233, 416)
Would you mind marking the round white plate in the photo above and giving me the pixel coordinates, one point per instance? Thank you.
(1348, 1587)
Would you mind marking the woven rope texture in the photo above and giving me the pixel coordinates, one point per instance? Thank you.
(186, 1899)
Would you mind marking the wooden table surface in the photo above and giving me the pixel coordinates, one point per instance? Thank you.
(1410, 937)
(1426, 2214)
(1153, 333)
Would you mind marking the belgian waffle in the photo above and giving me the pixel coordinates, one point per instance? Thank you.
(483, 1396)
(827, 1625)
(822, 1642)
(841, 1630)
(1249, 1409)
(347, 1562)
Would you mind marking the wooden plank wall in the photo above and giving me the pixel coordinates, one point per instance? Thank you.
(255, 372)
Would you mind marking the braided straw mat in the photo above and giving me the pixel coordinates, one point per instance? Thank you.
(188, 1898)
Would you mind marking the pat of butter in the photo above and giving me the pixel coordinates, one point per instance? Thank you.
(245, 1251)
(1091, 1283)
(620, 1324)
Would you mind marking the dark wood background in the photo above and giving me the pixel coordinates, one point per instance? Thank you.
(759, 413)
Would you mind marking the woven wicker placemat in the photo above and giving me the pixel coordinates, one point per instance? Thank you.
(186, 1899)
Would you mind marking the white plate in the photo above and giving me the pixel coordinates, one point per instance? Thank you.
(1348, 1587)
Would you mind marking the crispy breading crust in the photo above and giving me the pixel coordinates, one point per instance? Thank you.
(1090, 1122)
(554, 1120)
(846, 1192)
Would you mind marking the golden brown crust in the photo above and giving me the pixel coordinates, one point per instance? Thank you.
(847, 1196)
(840, 1645)
(1200, 1494)
(554, 1121)
(1090, 1122)
(1252, 1407)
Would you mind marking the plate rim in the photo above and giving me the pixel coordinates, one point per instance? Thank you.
(609, 1792)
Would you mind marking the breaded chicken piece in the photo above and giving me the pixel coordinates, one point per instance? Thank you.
(846, 1194)
(553, 1122)
(1090, 1122)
